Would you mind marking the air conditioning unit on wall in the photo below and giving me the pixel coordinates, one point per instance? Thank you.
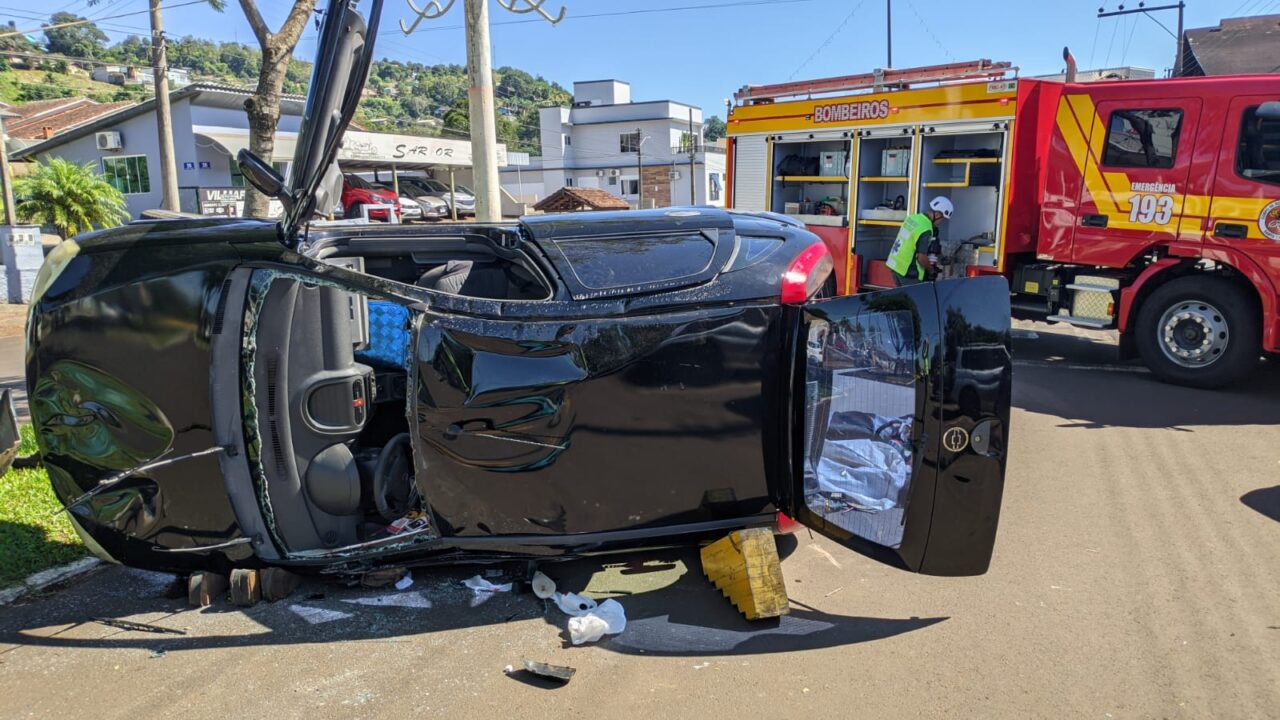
(615, 173)
(110, 140)
(674, 175)
(599, 173)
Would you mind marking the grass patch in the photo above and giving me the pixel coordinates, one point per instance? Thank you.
(32, 538)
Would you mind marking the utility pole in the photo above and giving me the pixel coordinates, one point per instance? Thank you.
(6, 180)
(484, 134)
(164, 120)
(1142, 8)
(693, 153)
(888, 30)
(639, 173)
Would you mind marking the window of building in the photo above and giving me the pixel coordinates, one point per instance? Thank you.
(715, 186)
(1142, 138)
(568, 140)
(629, 142)
(128, 174)
(568, 182)
(630, 186)
(613, 179)
(237, 177)
(1258, 156)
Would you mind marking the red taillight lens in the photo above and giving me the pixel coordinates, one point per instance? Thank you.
(806, 274)
(784, 525)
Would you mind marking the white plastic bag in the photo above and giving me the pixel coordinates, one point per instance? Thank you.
(607, 619)
(574, 604)
(482, 589)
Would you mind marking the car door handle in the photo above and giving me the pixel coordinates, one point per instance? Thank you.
(1094, 221)
(1230, 230)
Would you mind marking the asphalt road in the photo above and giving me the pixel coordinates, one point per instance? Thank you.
(1134, 577)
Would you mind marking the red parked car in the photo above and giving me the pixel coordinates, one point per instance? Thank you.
(356, 192)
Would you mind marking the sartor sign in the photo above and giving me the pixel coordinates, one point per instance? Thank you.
(408, 150)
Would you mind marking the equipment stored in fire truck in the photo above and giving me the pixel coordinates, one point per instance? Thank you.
(1151, 207)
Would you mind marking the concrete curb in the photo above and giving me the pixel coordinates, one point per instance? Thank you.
(45, 578)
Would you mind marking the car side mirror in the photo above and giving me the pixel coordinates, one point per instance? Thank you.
(262, 176)
(1269, 110)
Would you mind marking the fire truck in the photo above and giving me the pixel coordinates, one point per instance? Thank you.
(1151, 207)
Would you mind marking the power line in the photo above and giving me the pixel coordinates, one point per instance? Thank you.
(929, 31)
(620, 13)
(827, 42)
(87, 21)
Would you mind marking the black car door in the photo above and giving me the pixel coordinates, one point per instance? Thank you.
(898, 448)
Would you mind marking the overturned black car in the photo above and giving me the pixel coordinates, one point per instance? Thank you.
(211, 394)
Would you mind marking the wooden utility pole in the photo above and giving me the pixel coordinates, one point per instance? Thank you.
(164, 120)
(484, 133)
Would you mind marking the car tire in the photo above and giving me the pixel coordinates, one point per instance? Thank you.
(1199, 331)
(353, 211)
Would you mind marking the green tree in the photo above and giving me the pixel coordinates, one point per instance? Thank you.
(713, 129)
(84, 40)
(72, 198)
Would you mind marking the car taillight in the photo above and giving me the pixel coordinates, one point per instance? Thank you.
(784, 525)
(806, 274)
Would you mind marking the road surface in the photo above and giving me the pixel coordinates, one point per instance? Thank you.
(1135, 575)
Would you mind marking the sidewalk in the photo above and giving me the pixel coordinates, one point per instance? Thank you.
(13, 320)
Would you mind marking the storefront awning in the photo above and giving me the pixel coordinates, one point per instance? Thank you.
(232, 140)
(369, 151)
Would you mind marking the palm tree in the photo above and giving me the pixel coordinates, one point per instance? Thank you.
(72, 198)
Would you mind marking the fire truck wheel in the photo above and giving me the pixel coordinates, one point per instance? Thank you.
(1199, 331)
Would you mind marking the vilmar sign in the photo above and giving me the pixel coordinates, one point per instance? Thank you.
(409, 150)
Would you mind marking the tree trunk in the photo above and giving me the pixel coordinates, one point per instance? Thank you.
(263, 108)
(264, 115)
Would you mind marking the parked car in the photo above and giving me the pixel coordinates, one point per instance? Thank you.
(358, 192)
(433, 207)
(221, 393)
(409, 208)
(461, 195)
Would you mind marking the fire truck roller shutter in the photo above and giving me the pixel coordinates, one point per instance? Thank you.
(750, 169)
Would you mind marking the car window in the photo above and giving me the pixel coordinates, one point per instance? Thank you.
(1258, 154)
(607, 263)
(1142, 138)
(464, 189)
(358, 182)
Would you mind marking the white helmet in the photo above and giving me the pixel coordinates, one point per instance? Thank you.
(943, 205)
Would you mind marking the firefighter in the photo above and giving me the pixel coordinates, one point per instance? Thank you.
(913, 256)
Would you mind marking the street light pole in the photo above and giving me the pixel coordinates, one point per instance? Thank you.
(484, 134)
(6, 180)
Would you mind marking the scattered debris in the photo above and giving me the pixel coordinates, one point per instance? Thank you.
(543, 586)
(563, 673)
(158, 653)
(482, 589)
(401, 600)
(574, 604)
(137, 626)
(607, 619)
(702, 665)
(383, 577)
(316, 616)
(405, 582)
(833, 592)
(413, 522)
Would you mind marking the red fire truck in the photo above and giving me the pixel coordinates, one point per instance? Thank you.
(1151, 207)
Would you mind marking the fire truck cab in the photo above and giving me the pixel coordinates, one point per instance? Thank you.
(1151, 207)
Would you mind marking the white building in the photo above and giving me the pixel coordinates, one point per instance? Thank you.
(595, 142)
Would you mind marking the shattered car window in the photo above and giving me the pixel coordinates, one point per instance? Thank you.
(607, 263)
(861, 400)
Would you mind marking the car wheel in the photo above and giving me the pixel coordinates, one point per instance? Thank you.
(355, 210)
(1199, 331)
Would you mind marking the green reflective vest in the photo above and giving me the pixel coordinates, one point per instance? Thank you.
(902, 256)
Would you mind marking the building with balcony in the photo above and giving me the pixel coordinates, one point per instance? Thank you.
(649, 153)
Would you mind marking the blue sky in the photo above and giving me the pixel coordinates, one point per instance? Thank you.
(702, 55)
